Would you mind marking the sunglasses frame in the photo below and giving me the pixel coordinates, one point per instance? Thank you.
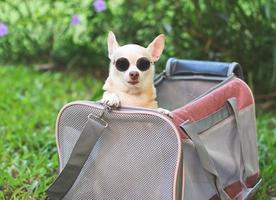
(150, 63)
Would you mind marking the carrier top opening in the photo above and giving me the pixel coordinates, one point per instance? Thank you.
(185, 80)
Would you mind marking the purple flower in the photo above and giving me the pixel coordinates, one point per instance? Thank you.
(3, 29)
(75, 20)
(99, 5)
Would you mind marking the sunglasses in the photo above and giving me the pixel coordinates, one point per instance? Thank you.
(122, 64)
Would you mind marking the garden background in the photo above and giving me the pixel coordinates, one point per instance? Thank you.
(53, 52)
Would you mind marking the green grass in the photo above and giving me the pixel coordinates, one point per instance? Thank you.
(266, 127)
(30, 101)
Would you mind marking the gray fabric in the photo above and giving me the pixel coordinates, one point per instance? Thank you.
(195, 176)
(88, 138)
(223, 146)
(211, 120)
(207, 163)
(135, 158)
(206, 123)
(193, 129)
(248, 141)
(248, 129)
(172, 94)
(233, 105)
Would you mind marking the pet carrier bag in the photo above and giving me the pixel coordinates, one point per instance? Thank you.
(207, 150)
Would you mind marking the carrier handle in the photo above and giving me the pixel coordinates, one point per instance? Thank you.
(193, 129)
(89, 136)
(181, 67)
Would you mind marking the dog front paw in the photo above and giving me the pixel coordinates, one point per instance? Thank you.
(111, 99)
(164, 112)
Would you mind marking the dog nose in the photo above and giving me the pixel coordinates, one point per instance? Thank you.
(134, 75)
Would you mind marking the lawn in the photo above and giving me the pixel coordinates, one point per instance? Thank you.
(30, 101)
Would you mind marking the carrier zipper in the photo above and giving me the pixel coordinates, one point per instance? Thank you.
(121, 109)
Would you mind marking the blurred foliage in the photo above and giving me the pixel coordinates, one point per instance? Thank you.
(227, 30)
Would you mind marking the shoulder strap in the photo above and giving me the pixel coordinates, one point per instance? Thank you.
(89, 136)
(242, 137)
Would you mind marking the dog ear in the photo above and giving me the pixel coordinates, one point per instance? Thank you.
(111, 43)
(156, 47)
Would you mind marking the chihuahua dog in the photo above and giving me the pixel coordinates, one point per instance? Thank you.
(131, 73)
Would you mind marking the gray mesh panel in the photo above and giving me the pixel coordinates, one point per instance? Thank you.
(172, 94)
(135, 159)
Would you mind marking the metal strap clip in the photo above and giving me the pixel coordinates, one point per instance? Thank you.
(99, 117)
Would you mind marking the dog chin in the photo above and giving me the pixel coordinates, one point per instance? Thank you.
(133, 83)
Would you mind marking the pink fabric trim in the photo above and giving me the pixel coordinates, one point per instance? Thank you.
(235, 188)
(212, 102)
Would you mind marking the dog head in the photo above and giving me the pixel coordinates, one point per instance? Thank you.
(131, 65)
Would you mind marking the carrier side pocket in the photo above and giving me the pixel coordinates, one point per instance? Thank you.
(195, 128)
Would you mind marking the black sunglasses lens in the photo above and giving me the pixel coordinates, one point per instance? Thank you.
(122, 64)
(143, 64)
